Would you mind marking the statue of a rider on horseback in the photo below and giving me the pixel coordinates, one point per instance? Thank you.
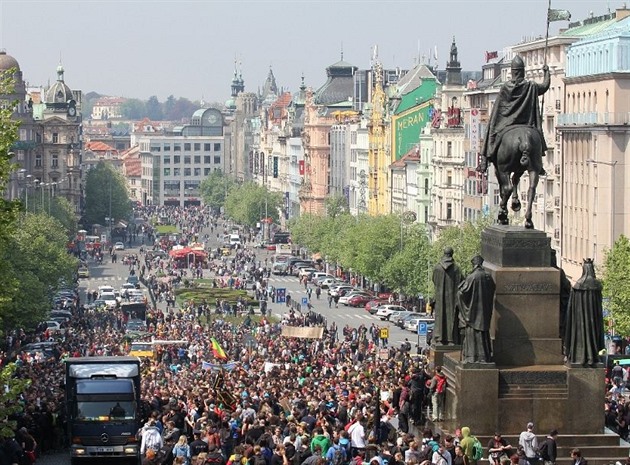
(514, 141)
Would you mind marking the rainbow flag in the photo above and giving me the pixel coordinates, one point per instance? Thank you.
(217, 349)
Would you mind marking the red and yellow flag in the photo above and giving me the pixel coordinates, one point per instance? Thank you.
(217, 349)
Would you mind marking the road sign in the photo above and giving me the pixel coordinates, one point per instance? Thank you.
(281, 295)
(422, 328)
(384, 333)
(304, 301)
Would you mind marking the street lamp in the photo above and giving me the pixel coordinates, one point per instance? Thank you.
(612, 165)
(406, 218)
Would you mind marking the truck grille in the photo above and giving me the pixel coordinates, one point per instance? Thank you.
(98, 441)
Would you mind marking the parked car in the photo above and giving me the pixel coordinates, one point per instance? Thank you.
(401, 322)
(374, 303)
(119, 246)
(53, 325)
(383, 311)
(344, 299)
(359, 300)
(306, 271)
(412, 324)
(326, 283)
(319, 274)
(339, 289)
(83, 272)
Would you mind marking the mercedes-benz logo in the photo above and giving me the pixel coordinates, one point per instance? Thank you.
(104, 438)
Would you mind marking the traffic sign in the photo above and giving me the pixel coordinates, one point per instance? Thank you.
(304, 301)
(422, 328)
(281, 295)
(384, 333)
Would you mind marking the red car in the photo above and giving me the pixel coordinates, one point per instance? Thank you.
(374, 303)
(271, 247)
(359, 300)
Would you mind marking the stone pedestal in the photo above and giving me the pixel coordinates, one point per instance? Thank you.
(436, 356)
(530, 381)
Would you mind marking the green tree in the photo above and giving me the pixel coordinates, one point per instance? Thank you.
(336, 205)
(617, 285)
(38, 261)
(134, 109)
(154, 109)
(105, 195)
(214, 189)
(9, 210)
(12, 389)
(409, 270)
(248, 203)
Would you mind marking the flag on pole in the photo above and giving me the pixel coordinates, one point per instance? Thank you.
(558, 15)
(217, 350)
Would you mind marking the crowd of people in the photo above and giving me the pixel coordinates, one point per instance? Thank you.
(336, 400)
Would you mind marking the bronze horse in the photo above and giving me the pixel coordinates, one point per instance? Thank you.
(520, 151)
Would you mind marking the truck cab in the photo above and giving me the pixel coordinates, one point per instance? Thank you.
(103, 408)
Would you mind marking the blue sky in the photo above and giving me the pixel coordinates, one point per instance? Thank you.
(138, 48)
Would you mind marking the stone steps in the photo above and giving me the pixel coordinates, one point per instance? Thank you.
(541, 391)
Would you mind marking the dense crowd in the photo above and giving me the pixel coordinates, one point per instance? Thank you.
(337, 400)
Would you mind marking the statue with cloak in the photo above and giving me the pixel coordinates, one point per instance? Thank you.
(475, 300)
(446, 278)
(584, 326)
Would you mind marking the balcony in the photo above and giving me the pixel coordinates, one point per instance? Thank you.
(593, 119)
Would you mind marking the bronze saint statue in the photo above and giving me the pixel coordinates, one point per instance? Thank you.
(584, 336)
(446, 278)
(475, 300)
(514, 141)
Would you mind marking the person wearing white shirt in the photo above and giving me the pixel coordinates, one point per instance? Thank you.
(357, 435)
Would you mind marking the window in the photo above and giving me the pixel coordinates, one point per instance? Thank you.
(177, 147)
(167, 171)
(55, 138)
(449, 149)
(187, 146)
(207, 160)
(197, 147)
(187, 160)
(197, 171)
(156, 148)
(197, 159)
(177, 172)
(217, 147)
(207, 147)
(177, 159)
(426, 186)
(54, 161)
(167, 160)
(449, 178)
(186, 171)
(207, 171)
(449, 211)
(217, 159)
(167, 147)
(38, 161)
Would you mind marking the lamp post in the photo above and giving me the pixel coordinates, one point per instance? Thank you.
(612, 165)
(405, 218)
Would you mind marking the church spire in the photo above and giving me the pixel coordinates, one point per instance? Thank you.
(453, 68)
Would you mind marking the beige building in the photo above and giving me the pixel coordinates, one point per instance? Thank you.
(595, 132)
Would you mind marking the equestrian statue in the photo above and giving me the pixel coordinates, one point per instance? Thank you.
(514, 141)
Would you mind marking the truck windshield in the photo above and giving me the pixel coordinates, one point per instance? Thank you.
(105, 411)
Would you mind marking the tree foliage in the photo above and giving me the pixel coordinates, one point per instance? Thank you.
(386, 248)
(214, 189)
(336, 205)
(248, 203)
(105, 193)
(617, 285)
(38, 261)
(12, 389)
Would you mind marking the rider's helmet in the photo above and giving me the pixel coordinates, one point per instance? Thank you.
(518, 67)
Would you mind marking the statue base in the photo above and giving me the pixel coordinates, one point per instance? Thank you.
(438, 351)
(567, 399)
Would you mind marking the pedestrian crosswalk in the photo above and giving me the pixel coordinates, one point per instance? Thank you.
(105, 278)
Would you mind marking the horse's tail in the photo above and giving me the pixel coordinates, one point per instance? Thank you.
(525, 146)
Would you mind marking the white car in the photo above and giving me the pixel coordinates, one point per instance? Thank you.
(126, 287)
(328, 282)
(119, 246)
(306, 272)
(53, 325)
(340, 289)
(384, 311)
(412, 324)
(102, 289)
(110, 299)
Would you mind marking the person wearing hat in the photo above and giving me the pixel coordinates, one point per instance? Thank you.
(528, 441)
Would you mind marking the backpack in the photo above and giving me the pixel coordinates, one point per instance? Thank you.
(257, 460)
(441, 384)
(338, 456)
(477, 450)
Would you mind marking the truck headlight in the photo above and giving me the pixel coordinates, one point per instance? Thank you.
(79, 451)
(130, 450)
